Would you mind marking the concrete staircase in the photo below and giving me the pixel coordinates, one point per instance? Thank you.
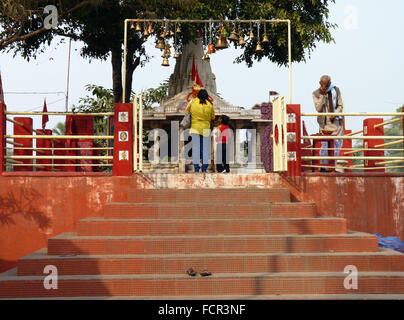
(255, 242)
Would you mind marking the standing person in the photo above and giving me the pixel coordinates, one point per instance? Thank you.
(327, 99)
(223, 140)
(202, 113)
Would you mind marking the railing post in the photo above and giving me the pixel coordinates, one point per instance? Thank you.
(3, 131)
(347, 144)
(24, 129)
(123, 140)
(370, 130)
(294, 141)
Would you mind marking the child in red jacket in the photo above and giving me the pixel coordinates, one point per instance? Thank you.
(223, 141)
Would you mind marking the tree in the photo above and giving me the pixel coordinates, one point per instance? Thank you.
(59, 129)
(101, 29)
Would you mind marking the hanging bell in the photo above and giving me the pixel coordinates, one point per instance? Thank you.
(132, 25)
(241, 40)
(171, 34)
(265, 39)
(145, 33)
(165, 63)
(150, 30)
(252, 37)
(160, 45)
(205, 57)
(178, 29)
(221, 43)
(176, 55)
(258, 48)
(233, 36)
(138, 28)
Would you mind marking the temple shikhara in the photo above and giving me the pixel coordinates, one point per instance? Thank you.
(114, 216)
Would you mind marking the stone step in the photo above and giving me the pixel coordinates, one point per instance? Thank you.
(383, 261)
(226, 210)
(209, 195)
(172, 227)
(247, 284)
(70, 243)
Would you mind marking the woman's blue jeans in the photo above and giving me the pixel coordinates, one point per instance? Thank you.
(200, 151)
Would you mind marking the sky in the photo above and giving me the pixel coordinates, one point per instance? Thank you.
(365, 62)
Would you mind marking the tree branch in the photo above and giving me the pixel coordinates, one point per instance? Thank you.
(7, 41)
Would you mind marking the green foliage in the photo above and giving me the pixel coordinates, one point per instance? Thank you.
(59, 129)
(155, 95)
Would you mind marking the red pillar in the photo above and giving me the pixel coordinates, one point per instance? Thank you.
(59, 144)
(3, 132)
(24, 129)
(44, 143)
(347, 144)
(84, 126)
(123, 150)
(294, 140)
(370, 130)
(70, 143)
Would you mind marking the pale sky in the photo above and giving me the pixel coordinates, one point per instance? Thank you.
(365, 63)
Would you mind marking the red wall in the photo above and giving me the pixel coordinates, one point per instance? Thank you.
(33, 209)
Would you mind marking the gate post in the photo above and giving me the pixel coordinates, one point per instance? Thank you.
(370, 130)
(123, 140)
(294, 142)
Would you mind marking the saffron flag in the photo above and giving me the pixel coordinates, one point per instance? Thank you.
(1, 91)
(195, 74)
(45, 117)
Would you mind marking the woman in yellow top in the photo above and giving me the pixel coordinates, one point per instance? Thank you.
(202, 113)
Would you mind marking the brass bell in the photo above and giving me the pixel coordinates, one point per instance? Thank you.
(233, 36)
(241, 40)
(171, 34)
(252, 37)
(165, 63)
(221, 43)
(132, 25)
(258, 48)
(138, 28)
(205, 57)
(150, 30)
(163, 35)
(160, 45)
(178, 29)
(145, 33)
(265, 39)
(176, 55)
